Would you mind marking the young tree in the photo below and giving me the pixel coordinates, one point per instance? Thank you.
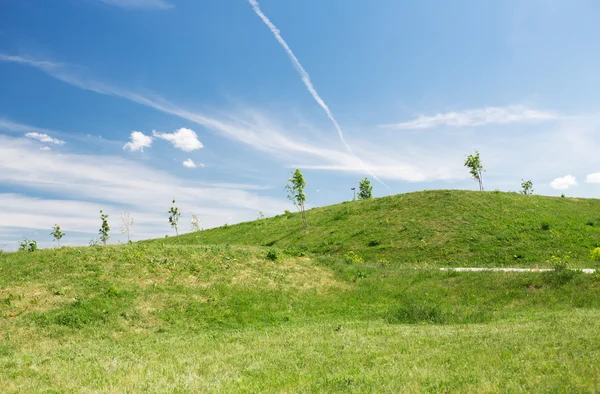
(473, 162)
(295, 188)
(526, 187)
(104, 229)
(195, 223)
(174, 215)
(127, 224)
(365, 189)
(57, 234)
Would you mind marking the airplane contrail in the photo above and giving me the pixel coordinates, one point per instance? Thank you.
(307, 82)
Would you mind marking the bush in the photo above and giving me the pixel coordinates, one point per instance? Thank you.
(561, 273)
(28, 245)
(545, 226)
(273, 255)
(352, 258)
(374, 243)
(596, 255)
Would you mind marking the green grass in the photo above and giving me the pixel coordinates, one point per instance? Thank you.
(184, 315)
(440, 228)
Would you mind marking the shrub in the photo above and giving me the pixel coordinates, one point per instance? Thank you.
(562, 195)
(273, 255)
(28, 245)
(590, 223)
(374, 243)
(596, 255)
(545, 226)
(561, 273)
(352, 258)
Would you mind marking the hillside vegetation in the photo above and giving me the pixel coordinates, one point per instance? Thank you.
(305, 314)
(442, 228)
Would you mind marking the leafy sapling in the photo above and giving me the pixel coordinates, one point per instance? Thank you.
(365, 189)
(57, 234)
(295, 188)
(526, 187)
(28, 245)
(174, 215)
(127, 224)
(476, 170)
(104, 228)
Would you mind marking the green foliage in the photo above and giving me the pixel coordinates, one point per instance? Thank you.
(288, 214)
(352, 258)
(596, 254)
(473, 163)
(545, 226)
(28, 245)
(365, 190)
(174, 215)
(561, 273)
(104, 228)
(374, 242)
(57, 234)
(295, 189)
(272, 255)
(526, 187)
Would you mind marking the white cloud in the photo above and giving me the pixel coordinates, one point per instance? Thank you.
(189, 163)
(112, 183)
(593, 178)
(44, 138)
(564, 182)
(46, 148)
(138, 142)
(184, 139)
(477, 117)
(143, 4)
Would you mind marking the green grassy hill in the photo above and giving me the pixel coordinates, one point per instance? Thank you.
(448, 228)
(182, 315)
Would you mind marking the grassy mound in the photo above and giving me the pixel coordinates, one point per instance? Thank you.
(449, 228)
(157, 317)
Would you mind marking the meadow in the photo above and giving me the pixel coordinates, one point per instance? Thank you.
(354, 303)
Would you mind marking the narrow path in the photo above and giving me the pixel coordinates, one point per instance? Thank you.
(584, 270)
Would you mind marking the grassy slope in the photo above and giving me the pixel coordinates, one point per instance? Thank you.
(163, 318)
(458, 228)
(186, 316)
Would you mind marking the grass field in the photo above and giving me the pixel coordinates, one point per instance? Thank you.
(186, 315)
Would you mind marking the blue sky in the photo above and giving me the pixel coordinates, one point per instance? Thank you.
(114, 104)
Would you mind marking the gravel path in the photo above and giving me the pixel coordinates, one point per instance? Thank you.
(584, 270)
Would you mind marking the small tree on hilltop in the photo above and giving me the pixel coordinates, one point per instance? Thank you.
(174, 215)
(526, 187)
(57, 234)
(473, 162)
(195, 222)
(104, 229)
(365, 189)
(295, 188)
(127, 224)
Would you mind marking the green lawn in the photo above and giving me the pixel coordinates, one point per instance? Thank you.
(162, 317)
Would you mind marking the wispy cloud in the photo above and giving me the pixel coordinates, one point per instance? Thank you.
(184, 139)
(140, 4)
(477, 117)
(307, 81)
(593, 178)
(42, 137)
(28, 61)
(112, 183)
(284, 141)
(138, 142)
(564, 182)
